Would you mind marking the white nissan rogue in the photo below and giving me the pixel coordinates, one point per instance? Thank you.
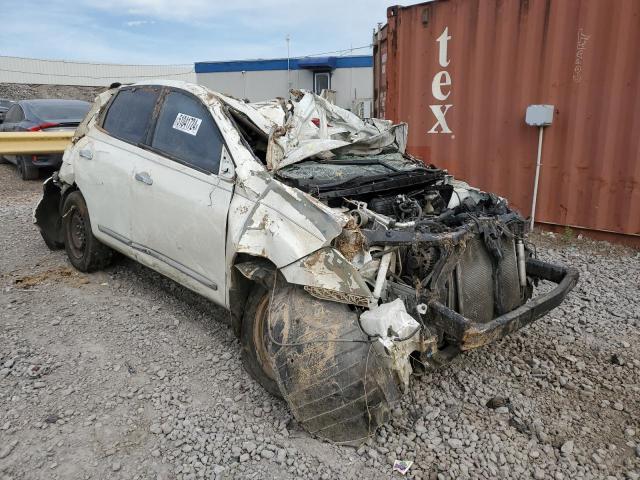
(346, 263)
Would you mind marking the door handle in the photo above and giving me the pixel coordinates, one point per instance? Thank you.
(144, 177)
(86, 153)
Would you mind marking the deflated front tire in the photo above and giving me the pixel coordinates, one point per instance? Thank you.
(336, 385)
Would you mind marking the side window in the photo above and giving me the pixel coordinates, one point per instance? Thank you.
(129, 114)
(14, 115)
(186, 132)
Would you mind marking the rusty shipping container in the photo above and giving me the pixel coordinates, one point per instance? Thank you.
(461, 73)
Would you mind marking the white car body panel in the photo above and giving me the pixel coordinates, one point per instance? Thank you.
(109, 170)
(180, 220)
(179, 225)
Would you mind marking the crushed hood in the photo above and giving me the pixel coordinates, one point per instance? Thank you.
(310, 126)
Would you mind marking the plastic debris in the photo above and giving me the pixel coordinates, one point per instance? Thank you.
(397, 333)
(402, 466)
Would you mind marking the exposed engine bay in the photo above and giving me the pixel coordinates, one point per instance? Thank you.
(416, 234)
(393, 200)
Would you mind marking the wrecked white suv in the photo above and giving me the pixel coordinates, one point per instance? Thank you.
(346, 264)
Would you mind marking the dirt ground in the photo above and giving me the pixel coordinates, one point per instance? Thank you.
(124, 374)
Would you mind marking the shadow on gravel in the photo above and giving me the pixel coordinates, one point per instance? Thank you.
(153, 283)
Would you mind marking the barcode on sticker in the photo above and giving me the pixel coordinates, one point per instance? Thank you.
(187, 123)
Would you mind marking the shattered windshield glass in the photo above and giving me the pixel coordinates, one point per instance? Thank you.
(348, 167)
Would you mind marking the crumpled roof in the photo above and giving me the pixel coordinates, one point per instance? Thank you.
(293, 135)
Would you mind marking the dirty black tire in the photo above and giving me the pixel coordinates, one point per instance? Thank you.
(84, 250)
(26, 169)
(50, 243)
(254, 340)
(337, 390)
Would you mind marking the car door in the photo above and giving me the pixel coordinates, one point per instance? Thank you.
(180, 202)
(104, 168)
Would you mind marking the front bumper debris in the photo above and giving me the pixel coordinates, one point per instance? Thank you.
(469, 334)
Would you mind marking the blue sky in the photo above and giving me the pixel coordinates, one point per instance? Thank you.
(184, 31)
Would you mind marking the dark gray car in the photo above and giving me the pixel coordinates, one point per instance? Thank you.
(41, 115)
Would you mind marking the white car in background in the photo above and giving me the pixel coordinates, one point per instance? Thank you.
(346, 263)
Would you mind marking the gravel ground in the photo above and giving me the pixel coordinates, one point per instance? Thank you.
(124, 374)
(22, 91)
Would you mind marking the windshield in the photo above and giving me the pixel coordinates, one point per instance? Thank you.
(343, 169)
(5, 103)
(61, 110)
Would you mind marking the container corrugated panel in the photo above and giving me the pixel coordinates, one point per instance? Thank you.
(380, 71)
(499, 56)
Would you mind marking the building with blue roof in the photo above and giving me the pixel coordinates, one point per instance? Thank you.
(348, 78)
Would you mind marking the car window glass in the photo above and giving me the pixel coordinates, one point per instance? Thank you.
(187, 133)
(8, 118)
(129, 114)
(14, 115)
(61, 110)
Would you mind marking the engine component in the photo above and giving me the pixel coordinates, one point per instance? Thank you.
(407, 208)
(399, 207)
(360, 217)
(419, 263)
(383, 205)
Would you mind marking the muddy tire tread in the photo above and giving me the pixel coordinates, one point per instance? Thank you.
(324, 383)
(248, 355)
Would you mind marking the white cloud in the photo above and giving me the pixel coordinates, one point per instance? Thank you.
(196, 10)
(139, 23)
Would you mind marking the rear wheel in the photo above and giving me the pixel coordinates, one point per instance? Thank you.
(85, 252)
(26, 169)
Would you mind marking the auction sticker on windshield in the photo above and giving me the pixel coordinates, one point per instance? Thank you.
(187, 123)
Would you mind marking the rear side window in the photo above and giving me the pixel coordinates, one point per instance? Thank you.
(186, 132)
(14, 115)
(129, 114)
(61, 110)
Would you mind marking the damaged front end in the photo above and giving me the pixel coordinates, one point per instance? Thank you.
(446, 268)
(425, 267)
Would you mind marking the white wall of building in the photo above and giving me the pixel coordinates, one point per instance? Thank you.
(351, 84)
(61, 72)
(255, 84)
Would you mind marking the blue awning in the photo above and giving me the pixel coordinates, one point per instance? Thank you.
(318, 63)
